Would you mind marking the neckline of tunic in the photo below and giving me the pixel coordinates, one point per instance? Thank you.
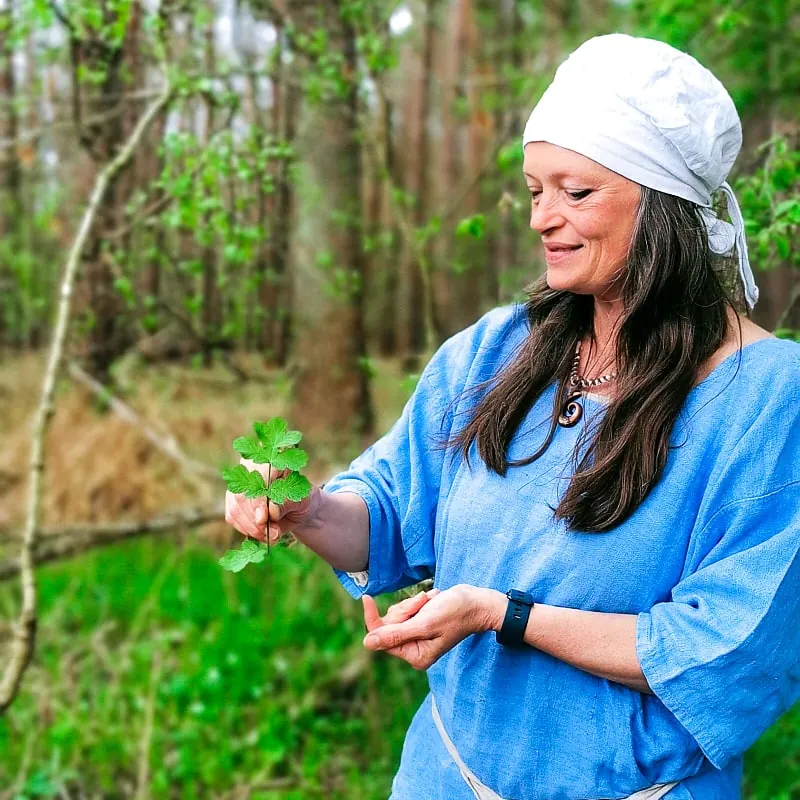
(604, 400)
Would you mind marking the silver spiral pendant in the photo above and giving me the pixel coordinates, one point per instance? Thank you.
(571, 411)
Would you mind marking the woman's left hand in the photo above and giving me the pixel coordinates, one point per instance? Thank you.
(439, 625)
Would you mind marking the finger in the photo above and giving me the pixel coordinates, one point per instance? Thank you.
(372, 617)
(244, 525)
(390, 636)
(275, 533)
(402, 611)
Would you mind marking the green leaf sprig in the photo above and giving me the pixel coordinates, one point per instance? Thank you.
(276, 446)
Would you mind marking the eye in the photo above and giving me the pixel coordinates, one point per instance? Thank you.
(534, 193)
(580, 194)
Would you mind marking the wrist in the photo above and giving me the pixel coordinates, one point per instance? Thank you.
(492, 605)
(312, 517)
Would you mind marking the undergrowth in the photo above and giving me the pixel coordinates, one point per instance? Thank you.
(158, 674)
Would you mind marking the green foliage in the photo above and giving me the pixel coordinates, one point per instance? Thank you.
(249, 553)
(473, 226)
(509, 157)
(749, 45)
(241, 674)
(276, 446)
(770, 201)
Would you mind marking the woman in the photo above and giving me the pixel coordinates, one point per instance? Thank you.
(623, 451)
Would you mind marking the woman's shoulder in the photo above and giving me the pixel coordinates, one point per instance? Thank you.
(496, 331)
(496, 324)
(746, 413)
(756, 365)
(464, 357)
(743, 333)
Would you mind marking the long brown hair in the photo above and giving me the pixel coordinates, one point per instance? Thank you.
(675, 318)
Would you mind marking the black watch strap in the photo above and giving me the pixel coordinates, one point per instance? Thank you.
(512, 633)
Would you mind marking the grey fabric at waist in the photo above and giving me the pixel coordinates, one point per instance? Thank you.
(483, 792)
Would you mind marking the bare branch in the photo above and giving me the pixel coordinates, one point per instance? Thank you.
(56, 545)
(786, 315)
(145, 743)
(62, 17)
(25, 634)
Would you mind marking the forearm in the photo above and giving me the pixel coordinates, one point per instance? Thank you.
(600, 643)
(337, 530)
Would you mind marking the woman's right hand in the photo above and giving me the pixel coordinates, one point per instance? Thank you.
(252, 518)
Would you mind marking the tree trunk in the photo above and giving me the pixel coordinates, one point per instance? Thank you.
(284, 214)
(505, 243)
(11, 307)
(331, 398)
(384, 267)
(211, 321)
(415, 301)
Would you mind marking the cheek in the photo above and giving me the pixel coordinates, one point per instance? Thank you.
(607, 229)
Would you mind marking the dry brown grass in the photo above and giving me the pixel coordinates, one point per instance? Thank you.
(98, 467)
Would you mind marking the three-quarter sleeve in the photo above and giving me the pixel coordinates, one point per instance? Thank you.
(399, 477)
(723, 655)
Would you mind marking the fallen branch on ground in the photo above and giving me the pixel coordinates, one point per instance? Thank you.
(69, 542)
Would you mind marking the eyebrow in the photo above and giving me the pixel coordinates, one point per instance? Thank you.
(555, 175)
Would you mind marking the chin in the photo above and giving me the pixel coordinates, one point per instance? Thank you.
(559, 280)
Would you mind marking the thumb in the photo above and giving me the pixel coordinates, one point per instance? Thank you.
(372, 617)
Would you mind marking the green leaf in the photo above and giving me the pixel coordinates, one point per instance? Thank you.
(274, 435)
(789, 209)
(294, 487)
(472, 226)
(241, 481)
(294, 458)
(249, 553)
(251, 449)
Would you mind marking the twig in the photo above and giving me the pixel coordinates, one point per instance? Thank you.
(25, 635)
(22, 774)
(143, 771)
(166, 443)
(56, 545)
(794, 298)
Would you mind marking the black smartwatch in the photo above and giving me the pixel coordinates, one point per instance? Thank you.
(512, 633)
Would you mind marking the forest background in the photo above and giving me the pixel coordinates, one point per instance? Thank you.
(214, 211)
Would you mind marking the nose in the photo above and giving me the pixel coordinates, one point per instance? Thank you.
(546, 214)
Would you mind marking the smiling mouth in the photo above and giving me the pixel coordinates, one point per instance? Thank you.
(555, 254)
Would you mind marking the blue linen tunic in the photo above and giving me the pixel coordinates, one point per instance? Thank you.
(709, 563)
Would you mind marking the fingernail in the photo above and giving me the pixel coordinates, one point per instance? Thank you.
(372, 640)
(260, 514)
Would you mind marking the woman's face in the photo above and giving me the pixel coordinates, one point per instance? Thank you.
(585, 214)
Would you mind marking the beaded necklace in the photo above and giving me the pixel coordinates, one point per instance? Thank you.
(572, 409)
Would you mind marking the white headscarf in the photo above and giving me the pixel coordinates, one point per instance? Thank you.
(656, 116)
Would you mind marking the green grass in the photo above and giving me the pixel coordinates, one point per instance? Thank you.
(242, 678)
(241, 675)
